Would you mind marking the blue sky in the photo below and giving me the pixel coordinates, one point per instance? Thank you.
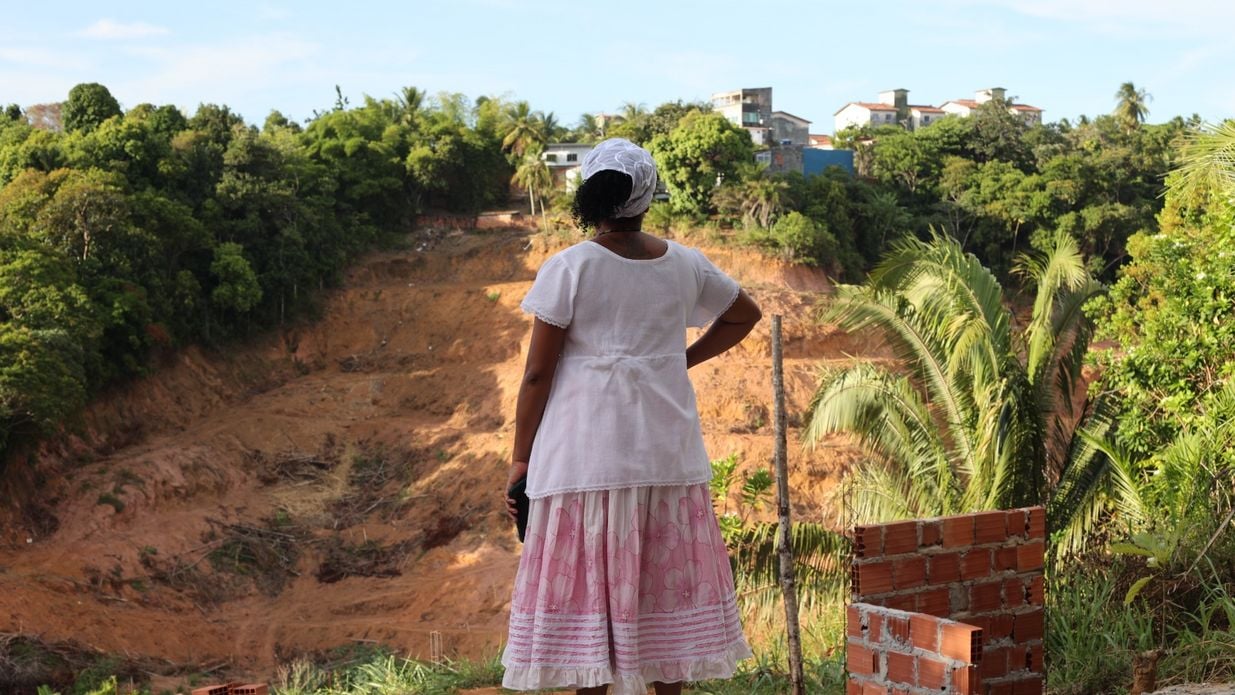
(574, 56)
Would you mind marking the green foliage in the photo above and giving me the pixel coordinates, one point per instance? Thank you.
(704, 149)
(236, 287)
(979, 415)
(145, 230)
(89, 104)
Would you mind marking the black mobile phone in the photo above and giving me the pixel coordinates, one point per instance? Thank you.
(518, 492)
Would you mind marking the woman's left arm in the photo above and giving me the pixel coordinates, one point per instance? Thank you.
(542, 359)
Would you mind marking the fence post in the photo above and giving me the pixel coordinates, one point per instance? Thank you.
(784, 535)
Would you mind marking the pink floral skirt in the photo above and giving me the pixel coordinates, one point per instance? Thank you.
(625, 586)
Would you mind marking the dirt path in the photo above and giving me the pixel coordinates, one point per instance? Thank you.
(417, 357)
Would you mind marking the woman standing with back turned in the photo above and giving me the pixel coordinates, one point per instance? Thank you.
(624, 577)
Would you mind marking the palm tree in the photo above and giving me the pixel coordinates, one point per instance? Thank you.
(632, 111)
(763, 200)
(410, 101)
(589, 129)
(549, 127)
(979, 416)
(533, 176)
(1207, 162)
(523, 128)
(1131, 105)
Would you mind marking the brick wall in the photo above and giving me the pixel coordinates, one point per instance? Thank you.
(982, 570)
(893, 652)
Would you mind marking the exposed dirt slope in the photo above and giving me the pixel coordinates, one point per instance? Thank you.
(223, 508)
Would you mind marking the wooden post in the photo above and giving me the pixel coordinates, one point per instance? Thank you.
(784, 546)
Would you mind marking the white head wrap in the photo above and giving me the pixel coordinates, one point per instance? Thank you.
(616, 154)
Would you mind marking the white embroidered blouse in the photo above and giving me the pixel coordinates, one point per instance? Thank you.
(621, 411)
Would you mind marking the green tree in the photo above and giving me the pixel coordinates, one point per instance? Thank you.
(981, 416)
(533, 176)
(703, 150)
(89, 104)
(1131, 105)
(523, 130)
(236, 287)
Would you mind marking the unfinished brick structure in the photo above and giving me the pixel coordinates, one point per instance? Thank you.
(948, 605)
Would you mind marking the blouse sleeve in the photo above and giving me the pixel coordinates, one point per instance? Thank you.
(552, 297)
(717, 292)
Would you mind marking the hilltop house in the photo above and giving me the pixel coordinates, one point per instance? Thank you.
(563, 160)
(749, 108)
(964, 107)
(893, 108)
(788, 129)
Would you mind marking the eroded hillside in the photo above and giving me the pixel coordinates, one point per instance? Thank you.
(339, 482)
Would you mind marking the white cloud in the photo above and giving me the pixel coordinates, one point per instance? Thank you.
(110, 30)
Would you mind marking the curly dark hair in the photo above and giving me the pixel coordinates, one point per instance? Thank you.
(599, 197)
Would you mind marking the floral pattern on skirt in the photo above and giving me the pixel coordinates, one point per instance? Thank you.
(623, 586)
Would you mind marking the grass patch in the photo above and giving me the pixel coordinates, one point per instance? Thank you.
(115, 502)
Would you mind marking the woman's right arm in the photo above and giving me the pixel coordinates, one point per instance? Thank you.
(726, 331)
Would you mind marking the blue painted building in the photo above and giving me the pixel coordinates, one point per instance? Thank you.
(815, 161)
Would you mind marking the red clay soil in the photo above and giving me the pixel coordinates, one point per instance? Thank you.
(418, 354)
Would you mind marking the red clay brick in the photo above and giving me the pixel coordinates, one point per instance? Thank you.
(213, 689)
(985, 596)
(872, 578)
(901, 668)
(999, 688)
(868, 541)
(966, 681)
(1017, 655)
(1028, 626)
(1034, 595)
(1013, 593)
(1018, 523)
(853, 687)
(932, 673)
(1035, 659)
(898, 629)
(1029, 556)
(990, 527)
(1028, 686)
(976, 563)
(903, 602)
(900, 537)
(930, 533)
(994, 663)
(860, 660)
(874, 630)
(1037, 523)
(909, 572)
(936, 602)
(250, 689)
(944, 568)
(998, 627)
(1005, 558)
(957, 531)
(853, 621)
(874, 689)
(961, 641)
(924, 631)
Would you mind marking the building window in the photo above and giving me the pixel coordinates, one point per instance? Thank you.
(550, 157)
(750, 117)
(572, 157)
